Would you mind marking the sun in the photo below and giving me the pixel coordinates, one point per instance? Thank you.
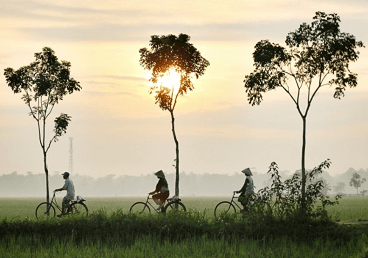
(171, 80)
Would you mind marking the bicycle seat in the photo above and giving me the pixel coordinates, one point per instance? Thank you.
(80, 199)
(173, 199)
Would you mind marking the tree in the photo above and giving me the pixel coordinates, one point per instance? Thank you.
(357, 181)
(167, 54)
(44, 83)
(317, 53)
(340, 187)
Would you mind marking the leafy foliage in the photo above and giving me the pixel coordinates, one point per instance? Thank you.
(315, 50)
(284, 199)
(44, 83)
(172, 52)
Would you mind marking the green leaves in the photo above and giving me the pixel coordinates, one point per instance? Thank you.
(45, 78)
(61, 124)
(318, 50)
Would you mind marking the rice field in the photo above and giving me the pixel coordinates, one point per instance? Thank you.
(349, 209)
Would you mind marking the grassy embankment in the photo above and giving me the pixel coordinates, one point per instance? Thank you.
(112, 232)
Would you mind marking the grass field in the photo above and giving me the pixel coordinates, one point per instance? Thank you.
(110, 231)
(349, 209)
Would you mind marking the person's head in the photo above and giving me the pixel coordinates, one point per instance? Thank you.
(65, 175)
(247, 172)
(160, 174)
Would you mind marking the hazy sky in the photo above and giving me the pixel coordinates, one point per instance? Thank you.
(118, 129)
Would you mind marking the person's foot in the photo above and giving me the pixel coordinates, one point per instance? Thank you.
(160, 207)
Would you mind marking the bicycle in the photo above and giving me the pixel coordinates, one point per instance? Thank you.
(45, 210)
(231, 207)
(226, 207)
(174, 204)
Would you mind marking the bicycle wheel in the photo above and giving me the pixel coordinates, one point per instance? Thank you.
(79, 209)
(224, 207)
(140, 208)
(174, 207)
(41, 211)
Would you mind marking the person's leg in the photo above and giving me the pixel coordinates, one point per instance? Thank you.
(65, 205)
(156, 198)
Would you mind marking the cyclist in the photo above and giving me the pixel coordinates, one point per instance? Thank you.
(70, 193)
(247, 190)
(162, 190)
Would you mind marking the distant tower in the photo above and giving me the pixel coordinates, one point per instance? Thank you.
(71, 155)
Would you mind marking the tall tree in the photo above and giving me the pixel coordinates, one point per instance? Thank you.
(317, 53)
(357, 181)
(170, 53)
(44, 83)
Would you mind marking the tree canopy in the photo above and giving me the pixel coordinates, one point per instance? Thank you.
(172, 52)
(314, 50)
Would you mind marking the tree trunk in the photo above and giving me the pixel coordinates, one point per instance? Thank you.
(47, 177)
(303, 203)
(177, 154)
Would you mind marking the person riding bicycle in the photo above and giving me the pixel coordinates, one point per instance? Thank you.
(162, 190)
(70, 193)
(247, 190)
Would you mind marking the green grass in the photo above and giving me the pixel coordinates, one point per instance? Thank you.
(349, 209)
(190, 234)
(110, 231)
(198, 247)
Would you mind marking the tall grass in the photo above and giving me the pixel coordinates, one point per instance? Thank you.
(203, 246)
(188, 234)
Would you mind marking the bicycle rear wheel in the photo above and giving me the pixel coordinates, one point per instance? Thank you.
(42, 213)
(79, 209)
(223, 208)
(140, 208)
(175, 207)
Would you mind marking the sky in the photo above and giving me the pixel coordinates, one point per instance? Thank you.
(118, 129)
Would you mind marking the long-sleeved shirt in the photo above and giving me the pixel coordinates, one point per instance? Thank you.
(69, 187)
(247, 187)
(162, 186)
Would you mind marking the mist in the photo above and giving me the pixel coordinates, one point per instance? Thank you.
(191, 184)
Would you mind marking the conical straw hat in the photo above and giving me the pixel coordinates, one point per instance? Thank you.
(247, 172)
(160, 174)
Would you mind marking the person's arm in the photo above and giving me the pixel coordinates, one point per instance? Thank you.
(158, 188)
(62, 188)
(244, 188)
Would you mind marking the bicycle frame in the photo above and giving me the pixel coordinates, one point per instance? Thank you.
(233, 202)
(56, 205)
(150, 204)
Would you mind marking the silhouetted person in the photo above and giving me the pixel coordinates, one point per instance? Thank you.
(162, 190)
(247, 190)
(70, 193)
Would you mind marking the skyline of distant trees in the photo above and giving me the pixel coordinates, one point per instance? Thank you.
(31, 185)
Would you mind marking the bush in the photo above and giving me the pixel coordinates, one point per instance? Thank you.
(282, 201)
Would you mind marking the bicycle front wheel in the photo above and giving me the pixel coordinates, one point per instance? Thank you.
(42, 212)
(175, 207)
(79, 209)
(140, 208)
(223, 208)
